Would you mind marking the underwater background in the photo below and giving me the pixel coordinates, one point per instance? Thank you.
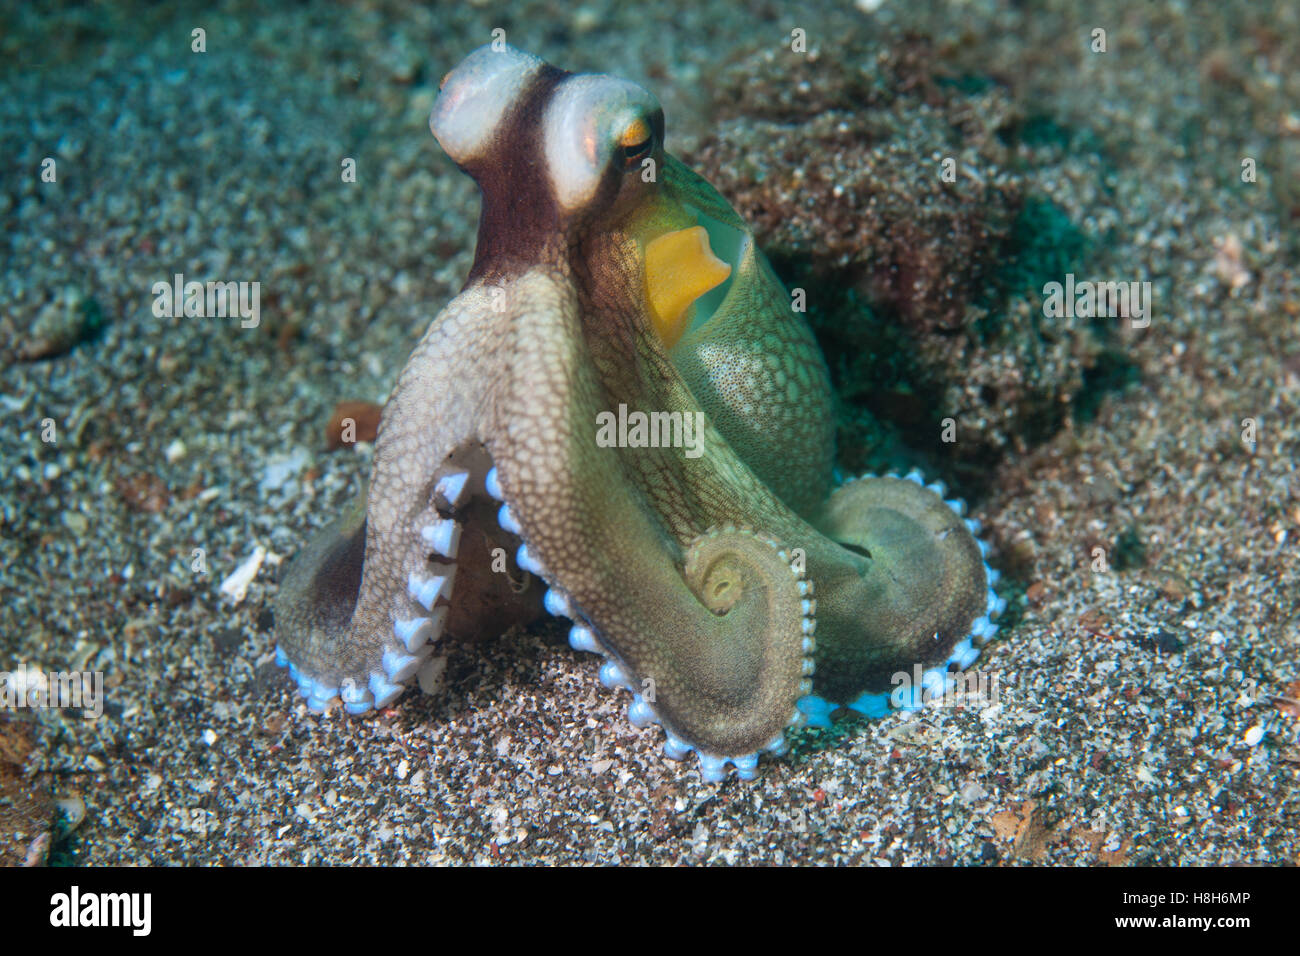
(1134, 474)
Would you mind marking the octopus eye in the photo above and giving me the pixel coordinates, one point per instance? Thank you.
(635, 143)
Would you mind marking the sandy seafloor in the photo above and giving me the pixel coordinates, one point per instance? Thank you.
(1128, 699)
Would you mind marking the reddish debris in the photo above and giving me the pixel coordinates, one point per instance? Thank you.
(144, 492)
(352, 422)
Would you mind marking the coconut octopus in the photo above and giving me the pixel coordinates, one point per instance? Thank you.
(704, 547)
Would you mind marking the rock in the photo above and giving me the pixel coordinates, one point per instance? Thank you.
(70, 318)
(281, 469)
(922, 292)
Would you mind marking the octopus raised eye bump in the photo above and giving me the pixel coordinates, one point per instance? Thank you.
(621, 402)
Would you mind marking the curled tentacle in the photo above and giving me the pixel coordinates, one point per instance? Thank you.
(738, 694)
(923, 583)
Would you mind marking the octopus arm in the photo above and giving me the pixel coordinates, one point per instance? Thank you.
(364, 606)
(715, 629)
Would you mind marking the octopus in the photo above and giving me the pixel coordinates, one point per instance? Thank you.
(625, 402)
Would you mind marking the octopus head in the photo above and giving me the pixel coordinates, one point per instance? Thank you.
(572, 166)
(578, 145)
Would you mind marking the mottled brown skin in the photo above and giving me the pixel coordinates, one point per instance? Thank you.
(703, 574)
